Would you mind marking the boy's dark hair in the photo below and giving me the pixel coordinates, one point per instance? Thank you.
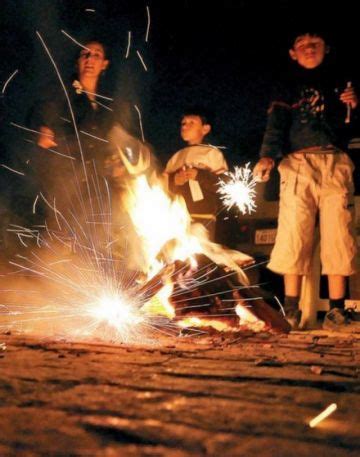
(294, 35)
(205, 114)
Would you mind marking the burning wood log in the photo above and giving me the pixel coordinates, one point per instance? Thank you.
(220, 296)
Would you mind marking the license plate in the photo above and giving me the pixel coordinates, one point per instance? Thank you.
(265, 236)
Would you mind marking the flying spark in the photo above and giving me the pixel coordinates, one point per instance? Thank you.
(12, 170)
(128, 45)
(8, 81)
(148, 24)
(141, 60)
(140, 123)
(75, 41)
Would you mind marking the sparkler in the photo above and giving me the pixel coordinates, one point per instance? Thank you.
(326, 413)
(79, 89)
(348, 107)
(238, 189)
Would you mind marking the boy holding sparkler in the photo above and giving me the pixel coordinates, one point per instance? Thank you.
(308, 126)
(193, 171)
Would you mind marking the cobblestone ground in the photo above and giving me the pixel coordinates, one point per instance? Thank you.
(238, 395)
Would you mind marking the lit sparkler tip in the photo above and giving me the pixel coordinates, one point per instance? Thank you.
(115, 310)
(238, 189)
(323, 415)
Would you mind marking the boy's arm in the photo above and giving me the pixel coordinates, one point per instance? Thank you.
(275, 138)
(176, 180)
(263, 168)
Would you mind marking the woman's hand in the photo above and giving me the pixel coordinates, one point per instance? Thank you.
(46, 138)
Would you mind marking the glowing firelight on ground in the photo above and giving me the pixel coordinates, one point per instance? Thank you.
(238, 189)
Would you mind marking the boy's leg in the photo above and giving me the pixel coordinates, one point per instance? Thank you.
(336, 317)
(337, 285)
(338, 245)
(292, 285)
(337, 240)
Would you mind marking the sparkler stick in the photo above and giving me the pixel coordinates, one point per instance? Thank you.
(348, 108)
(79, 89)
(329, 410)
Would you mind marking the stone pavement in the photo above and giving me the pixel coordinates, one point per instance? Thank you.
(216, 395)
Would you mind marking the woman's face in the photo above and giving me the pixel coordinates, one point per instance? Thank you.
(92, 61)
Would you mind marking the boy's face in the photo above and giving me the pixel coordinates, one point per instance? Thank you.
(309, 51)
(193, 130)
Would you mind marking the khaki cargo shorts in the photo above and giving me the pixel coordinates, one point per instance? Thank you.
(312, 185)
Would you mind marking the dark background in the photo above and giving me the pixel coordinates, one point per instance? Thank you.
(222, 54)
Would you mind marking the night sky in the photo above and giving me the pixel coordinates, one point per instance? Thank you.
(222, 54)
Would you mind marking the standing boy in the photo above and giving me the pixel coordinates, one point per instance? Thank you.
(193, 171)
(308, 126)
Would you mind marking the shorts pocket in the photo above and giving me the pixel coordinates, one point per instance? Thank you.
(287, 177)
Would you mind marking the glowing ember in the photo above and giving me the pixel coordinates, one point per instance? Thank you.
(238, 189)
(326, 413)
(248, 319)
(196, 322)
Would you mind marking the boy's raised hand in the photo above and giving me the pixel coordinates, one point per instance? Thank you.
(180, 177)
(263, 169)
(349, 97)
(191, 173)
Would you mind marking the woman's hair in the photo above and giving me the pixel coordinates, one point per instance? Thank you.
(103, 45)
